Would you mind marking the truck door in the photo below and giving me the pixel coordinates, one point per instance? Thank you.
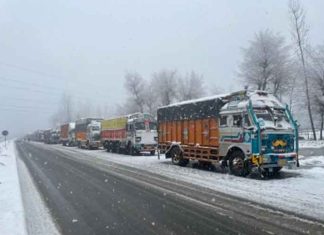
(225, 124)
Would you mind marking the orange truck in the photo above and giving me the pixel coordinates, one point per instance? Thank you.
(246, 131)
(87, 132)
(66, 134)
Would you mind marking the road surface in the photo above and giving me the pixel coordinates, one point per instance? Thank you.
(86, 197)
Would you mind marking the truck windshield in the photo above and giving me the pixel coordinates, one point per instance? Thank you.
(139, 126)
(95, 128)
(272, 118)
(152, 125)
(282, 121)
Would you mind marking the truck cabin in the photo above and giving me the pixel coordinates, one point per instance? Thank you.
(142, 122)
(93, 130)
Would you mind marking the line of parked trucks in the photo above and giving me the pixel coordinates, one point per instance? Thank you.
(131, 134)
(245, 131)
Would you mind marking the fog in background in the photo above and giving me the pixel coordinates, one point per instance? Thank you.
(84, 48)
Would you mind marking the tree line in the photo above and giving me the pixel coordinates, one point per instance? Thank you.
(293, 70)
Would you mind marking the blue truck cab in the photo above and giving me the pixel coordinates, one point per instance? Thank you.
(258, 125)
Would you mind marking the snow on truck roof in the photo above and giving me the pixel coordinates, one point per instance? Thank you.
(212, 106)
(258, 98)
(196, 100)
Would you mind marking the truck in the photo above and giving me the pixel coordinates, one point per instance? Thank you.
(87, 133)
(244, 132)
(71, 136)
(65, 137)
(51, 136)
(130, 134)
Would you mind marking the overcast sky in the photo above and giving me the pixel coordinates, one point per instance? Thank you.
(85, 47)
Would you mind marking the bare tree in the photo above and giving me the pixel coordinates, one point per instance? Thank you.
(299, 32)
(129, 106)
(265, 63)
(134, 84)
(65, 111)
(317, 75)
(150, 98)
(165, 86)
(190, 86)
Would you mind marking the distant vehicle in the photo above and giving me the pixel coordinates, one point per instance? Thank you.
(65, 137)
(93, 135)
(51, 136)
(245, 131)
(131, 134)
(36, 136)
(71, 135)
(87, 133)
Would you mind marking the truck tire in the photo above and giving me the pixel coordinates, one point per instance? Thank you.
(130, 150)
(177, 157)
(152, 152)
(237, 165)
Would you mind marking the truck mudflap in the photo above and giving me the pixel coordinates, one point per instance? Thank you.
(274, 160)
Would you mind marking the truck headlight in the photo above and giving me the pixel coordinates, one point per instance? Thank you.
(138, 139)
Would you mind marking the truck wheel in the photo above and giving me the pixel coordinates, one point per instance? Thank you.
(152, 152)
(177, 157)
(237, 165)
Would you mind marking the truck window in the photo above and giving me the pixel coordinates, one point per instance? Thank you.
(223, 121)
(139, 126)
(247, 122)
(152, 125)
(237, 121)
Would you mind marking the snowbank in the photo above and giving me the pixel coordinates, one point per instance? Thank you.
(311, 144)
(12, 220)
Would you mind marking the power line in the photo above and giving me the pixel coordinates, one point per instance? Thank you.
(29, 100)
(25, 110)
(49, 89)
(47, 76)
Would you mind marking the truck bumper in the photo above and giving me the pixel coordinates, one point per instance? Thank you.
(95, 144)
(274, 160)
(146, 148)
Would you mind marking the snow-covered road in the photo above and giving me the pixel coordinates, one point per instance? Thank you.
(300, 191)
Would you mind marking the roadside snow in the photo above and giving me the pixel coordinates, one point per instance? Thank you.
(12, 219)
(311, 144)
(300, 191)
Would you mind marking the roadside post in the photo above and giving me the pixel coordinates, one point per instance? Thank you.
(5, 133)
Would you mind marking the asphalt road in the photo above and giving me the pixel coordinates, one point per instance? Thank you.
(85, 197)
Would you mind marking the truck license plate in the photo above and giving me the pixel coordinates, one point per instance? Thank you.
(282, 162)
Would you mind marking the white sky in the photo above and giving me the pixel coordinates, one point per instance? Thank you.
(84, 47)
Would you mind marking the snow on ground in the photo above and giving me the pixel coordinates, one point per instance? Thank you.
(12, 219)
(300, 190)
(311, 144)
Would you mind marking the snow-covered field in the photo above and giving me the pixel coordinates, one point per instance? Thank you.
(300, 190)
(311, 144)
(12, 219)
